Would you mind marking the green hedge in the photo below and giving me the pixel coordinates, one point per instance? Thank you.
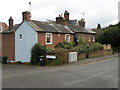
(80, 49)
(65, 45)
(83, 48)
(54, 62)
(95, 47)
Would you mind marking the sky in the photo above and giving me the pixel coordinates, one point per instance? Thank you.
(104, 12)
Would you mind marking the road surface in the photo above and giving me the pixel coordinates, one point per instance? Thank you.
(101, 74)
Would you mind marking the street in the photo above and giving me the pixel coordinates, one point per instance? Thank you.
(101, 74)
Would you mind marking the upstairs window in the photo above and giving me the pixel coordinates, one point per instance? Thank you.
(67, 38)
(20, 37)
(48, 38)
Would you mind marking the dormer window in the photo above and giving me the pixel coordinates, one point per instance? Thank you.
(20, 37)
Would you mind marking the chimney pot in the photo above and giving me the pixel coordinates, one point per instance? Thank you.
(10, 23)
(66, 15)
(26, 16)
(60, 20)
(82, 22)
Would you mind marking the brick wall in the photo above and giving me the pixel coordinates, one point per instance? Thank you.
(8, 46)
(86, 37)
(95, 54)
(56, 38)
(0, 44)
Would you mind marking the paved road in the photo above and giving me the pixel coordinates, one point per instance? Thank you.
(102, 74)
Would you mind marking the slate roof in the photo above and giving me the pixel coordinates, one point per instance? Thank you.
(78, 29)
(73, 22)
(49, 27)
(11, 31)
(52, 27)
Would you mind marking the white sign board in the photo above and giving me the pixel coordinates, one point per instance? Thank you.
(51, 56)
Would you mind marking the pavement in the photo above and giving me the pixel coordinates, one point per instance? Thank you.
(92, 60)
(79, 62)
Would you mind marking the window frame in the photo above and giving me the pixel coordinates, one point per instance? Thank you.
(89, 38)
(66, 37)
(50, 38)
(20, 37)
(93, 38)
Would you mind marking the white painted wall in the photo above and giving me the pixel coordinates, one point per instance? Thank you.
(23, 47)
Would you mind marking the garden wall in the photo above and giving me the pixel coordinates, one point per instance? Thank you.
(81, 56)
(95, 54)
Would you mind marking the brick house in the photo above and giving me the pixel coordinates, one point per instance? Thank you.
(3, 26)
(7, 40)
(77, 27)
(18, 40)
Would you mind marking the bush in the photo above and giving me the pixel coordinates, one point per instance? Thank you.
(4, 59)
(83, 48)
(65, 45)
(54, 62)
(36, 51)
(80, 49)
(81, 42)
(18, 62)
(95, 47)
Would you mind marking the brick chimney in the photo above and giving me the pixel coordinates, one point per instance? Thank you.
(66, 15)
(82, 23)
(26, 16)
(60, 20)
(10, 23)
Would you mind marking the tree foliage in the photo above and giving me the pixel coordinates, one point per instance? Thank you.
(37, 51)
(65, 45)
(110, 35)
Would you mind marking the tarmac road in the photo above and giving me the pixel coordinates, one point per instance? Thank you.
(100, 74)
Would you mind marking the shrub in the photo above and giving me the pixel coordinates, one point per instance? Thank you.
(54, 62)
(65, 45)
(80, 49)
(81, 42)
(4, 59)
(18, 62)
(83, 48)
(36, 51)
(95, 47)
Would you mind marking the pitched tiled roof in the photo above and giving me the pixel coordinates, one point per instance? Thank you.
(73, 22)
(78, 29)
(52, 27)
(49, 27)
(11, 31)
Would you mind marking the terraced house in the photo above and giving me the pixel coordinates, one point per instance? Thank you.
(18, 40)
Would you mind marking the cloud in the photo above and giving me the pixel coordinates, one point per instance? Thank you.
(96, 11)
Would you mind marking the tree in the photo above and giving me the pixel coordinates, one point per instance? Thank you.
(110, 35)
(98, 26)
(37, 51)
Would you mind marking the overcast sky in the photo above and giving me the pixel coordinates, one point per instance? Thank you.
(104, 12)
